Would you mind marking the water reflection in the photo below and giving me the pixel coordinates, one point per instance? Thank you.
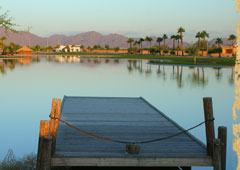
(194, 75)
(218, 74)
(231, 78)
(198, 76)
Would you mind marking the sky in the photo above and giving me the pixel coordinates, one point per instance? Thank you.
(132, 18)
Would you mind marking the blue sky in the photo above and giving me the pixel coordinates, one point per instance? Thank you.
(129, 17)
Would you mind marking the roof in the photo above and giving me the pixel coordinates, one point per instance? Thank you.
(24, 48)
(125, 119)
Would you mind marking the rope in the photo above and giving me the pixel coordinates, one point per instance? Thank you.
(127, 142)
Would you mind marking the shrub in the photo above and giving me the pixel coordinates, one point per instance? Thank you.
(27, 162)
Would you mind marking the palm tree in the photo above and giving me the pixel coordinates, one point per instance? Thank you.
(141, 40)
(149, 39)
(130, 41)
(219, 41)
(164, 39)
(138, 43)
(173, 37)
(177, 38)
(198, 36)
(180, 31)
(232, 38)
(159, 40)
(204, 34)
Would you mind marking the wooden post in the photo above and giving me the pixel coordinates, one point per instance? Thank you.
(44, 147)
(132, 149)
(52, 123)
(54, 127)
(209, 125)
(222, 135)
(217, 154)
(52, 116)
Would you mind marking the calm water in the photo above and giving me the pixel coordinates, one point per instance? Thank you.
(28, 86)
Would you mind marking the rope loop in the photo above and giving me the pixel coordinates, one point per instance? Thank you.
(130, 142)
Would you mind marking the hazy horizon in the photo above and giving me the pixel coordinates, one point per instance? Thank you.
(135, 18)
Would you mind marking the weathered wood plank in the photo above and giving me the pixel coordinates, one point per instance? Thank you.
(136, 162)
(128, 119)
(123, 154)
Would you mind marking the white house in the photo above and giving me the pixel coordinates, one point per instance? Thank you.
(60, 49)
(68, 48)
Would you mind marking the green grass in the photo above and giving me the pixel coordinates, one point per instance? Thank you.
(3, 56)
(209, 61)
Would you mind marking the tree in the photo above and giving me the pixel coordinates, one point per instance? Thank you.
(180, 31)
(198, 36)
(37, 47)
(116, 49)
(164, 39)
(173, 37)
(141, 41)
(193, 51)
(107, 47)
(159, 40)
(204, 35)
(149, 39)
(177, 39)
(3, 42)
(219, 42)
(57, 46)
(138, 43)
(130, 41)
(232, 38)
(7, 22)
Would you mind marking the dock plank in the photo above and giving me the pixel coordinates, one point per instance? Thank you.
(127, 119)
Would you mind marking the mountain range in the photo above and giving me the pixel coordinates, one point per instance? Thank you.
(90, 38)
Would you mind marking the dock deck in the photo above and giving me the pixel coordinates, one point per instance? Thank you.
(125, 119)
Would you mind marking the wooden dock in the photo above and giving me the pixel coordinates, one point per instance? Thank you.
(91, 131)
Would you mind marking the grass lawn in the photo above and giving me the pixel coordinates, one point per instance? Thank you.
(11, 57)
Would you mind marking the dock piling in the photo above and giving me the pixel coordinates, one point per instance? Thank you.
(209, 125)
(217, 154)
(54, 116)
(44, 147)
(222, 135)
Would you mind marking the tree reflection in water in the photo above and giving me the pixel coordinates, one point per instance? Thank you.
(231, 77)
(218, 74)
(107, 60)
(196, 78)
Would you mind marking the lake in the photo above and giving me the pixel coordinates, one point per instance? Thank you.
(28, 86)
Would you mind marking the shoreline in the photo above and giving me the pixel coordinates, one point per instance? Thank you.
(153, 59)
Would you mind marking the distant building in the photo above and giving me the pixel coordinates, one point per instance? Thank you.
(60, 49)
(68, 48)
(24, 50)
(228, 50)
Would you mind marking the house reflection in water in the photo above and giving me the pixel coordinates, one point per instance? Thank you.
(24, 61)
(66, 59)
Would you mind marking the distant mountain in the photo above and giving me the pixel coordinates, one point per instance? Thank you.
(225, 42)
(87, 39)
